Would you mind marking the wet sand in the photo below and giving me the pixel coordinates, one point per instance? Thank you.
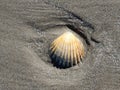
(27, 28)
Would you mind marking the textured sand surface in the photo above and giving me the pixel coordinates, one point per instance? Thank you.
(27, 29)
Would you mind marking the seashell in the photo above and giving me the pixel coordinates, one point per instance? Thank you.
(66, 51)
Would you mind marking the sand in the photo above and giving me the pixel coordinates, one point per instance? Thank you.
(27, 27)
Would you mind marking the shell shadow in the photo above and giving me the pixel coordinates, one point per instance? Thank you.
(59, 62)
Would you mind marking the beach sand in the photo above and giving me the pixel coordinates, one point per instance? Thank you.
(27, 27)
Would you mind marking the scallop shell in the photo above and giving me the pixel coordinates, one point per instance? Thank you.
(66, 51)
